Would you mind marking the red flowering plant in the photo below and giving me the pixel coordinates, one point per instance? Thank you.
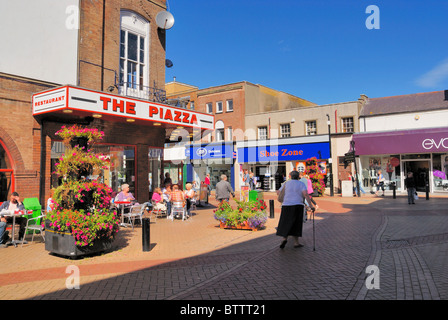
(82, 206)
(68, 133)
(316, 177)
(253, 213)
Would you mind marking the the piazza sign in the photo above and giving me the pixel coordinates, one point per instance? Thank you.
(435, 144)
(73, 98)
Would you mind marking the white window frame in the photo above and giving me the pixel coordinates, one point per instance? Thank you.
(229, 134)
(344, 125)
(132, 23)
(311, 130)
(220, 135)
(219, 107)
(209, 108)
(228, 108)
(285, 133)
(263, 135)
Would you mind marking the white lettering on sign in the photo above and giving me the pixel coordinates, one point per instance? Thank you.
(80, 99)
(431, 143)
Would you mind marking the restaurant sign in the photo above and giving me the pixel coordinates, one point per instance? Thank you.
(96, 102)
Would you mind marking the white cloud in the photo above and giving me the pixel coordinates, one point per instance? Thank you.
(435, 76)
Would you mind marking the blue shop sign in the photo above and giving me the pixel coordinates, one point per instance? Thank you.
(290, 152)
(215, 151)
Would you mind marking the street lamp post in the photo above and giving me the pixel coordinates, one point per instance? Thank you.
(330, 161)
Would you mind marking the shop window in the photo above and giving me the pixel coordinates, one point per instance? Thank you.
(6, 175)
(440, 172)
(121, 167)
(155, 158)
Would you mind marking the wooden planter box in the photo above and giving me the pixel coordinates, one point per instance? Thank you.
(243, 226)
(64, 244)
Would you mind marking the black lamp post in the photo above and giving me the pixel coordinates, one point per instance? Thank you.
(330, 161)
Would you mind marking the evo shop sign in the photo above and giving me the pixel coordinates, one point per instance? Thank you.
(438, 144)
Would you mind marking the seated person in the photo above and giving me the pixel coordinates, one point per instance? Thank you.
(13, 204)
(158, 200)
(189, 194)
(4, 235)
(166, 197)
(125, 195)
(177, 195)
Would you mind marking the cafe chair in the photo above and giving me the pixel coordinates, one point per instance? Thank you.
(177, 208)
(158, 211)
(35, 227)
(135, 211)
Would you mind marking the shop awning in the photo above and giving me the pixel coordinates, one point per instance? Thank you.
(402, 141)
(70, 102)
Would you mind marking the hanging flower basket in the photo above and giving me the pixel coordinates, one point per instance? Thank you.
(81, 221)
(82, 142)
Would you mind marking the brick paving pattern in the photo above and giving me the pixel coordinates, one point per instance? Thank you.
(195, 260)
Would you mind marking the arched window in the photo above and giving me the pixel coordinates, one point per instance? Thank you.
(134, 54)
(6, 173)
(219, 131)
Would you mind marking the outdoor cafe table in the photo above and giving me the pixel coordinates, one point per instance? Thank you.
(122, 203)
(14, 214)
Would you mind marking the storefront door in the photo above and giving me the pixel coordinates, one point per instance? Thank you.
(420, 169)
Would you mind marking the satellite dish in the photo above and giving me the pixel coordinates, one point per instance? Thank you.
(168, 63)
(164, 20)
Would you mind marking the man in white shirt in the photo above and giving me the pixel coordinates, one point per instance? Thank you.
(12, 205)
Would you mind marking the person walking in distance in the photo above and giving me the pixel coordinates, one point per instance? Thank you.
(409, 182)
(380, 182)
(223, 189)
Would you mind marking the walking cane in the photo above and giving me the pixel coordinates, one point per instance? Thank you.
(314, 236)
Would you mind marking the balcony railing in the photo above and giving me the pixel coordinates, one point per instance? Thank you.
(143, 92)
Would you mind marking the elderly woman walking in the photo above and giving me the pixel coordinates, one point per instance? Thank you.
(293, 192)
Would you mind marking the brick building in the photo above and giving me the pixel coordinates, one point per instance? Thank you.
(88, 52)
(215, 151)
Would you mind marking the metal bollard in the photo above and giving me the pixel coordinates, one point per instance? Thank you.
(271, 209)
(394, 187)
(427, 191)
(146, 234)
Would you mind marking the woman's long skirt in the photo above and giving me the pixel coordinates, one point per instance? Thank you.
(291, 221)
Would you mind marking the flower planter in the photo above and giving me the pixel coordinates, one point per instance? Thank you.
(64, 244)
(244, 226)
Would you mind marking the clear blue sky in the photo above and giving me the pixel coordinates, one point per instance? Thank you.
(318, 50)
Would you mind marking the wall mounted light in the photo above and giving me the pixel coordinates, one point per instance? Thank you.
(67, 111)
(130, 120)
(97, 115)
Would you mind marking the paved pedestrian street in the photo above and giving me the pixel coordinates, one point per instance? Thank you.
(368, 248)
